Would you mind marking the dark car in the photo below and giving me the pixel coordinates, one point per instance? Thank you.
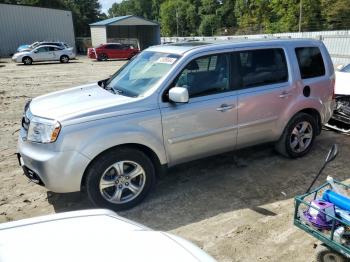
(112, 51)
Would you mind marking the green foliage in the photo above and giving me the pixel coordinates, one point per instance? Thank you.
(178, 17)
(209, 25)
(335, 14)
(252, 15)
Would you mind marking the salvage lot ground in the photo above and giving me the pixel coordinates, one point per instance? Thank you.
(230, 205)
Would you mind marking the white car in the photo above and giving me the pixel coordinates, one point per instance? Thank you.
(91, 235)
(44, 53)
(342, 81)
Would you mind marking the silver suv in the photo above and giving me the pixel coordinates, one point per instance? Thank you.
(172, 104)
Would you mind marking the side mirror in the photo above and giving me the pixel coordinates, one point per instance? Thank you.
(333, 152)
(36, 51)
(178, 94)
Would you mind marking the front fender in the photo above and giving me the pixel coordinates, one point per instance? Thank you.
(94, 137)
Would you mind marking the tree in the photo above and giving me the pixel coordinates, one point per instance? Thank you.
(226, 12)
(209, 25)
(335, 14)
(178, 18)
(253, 16)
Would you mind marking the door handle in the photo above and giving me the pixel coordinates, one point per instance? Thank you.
(284, 94)
(224, 108)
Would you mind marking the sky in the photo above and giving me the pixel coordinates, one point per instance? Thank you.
(106, 4)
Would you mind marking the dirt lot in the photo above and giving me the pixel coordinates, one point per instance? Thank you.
(230, 205)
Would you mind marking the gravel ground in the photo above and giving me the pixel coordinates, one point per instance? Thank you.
(230, 205)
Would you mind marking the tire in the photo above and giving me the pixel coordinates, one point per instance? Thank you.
(102, 57)
(324, 254)
(295, 142)
(108, 182)
(64, 59)
(27, 60)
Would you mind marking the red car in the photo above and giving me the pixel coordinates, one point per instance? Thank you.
(112, 51)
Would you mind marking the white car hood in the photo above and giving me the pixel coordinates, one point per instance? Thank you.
(342, 83)
(22, 53)
(76, 102)
(90, 238)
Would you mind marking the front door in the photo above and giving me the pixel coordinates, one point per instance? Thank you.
(265, 92)
(43, 53)
(205, 125)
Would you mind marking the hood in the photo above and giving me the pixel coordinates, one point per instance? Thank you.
(78, 102)
(22, 53)
(342, 80)
(89, 237)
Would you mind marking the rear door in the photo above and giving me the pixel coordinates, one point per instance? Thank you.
(205, 125)
(57, 52)
(265, 90)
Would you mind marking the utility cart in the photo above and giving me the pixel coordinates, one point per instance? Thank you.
(335, 235)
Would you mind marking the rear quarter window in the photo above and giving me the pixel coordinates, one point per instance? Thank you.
(310, 62)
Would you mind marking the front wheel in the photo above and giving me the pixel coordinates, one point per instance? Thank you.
(102, 57)
(120, 179)
(64, 59)
(27, 60)
(298, 136)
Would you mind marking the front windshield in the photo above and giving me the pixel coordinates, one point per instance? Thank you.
(346, 69)
(142, 73)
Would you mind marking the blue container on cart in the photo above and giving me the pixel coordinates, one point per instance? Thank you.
(338, 200)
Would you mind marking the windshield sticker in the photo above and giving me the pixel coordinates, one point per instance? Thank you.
(166, 60)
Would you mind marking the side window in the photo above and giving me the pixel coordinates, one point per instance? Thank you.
(205, 76)
(262, 67)
(310, 62)
(42, 50)
(57, 49)
(115, 47)
(51, 48)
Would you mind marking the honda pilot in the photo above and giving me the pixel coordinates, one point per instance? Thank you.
(172, 104)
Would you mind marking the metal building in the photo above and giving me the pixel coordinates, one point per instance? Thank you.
(128, 29)
(26, 24)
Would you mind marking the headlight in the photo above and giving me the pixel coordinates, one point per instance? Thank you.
(43, 130)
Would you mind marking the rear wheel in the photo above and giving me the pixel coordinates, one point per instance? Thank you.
(120, 179)
(324, 254)
(298, 136)
(27, 60)
(64, 59)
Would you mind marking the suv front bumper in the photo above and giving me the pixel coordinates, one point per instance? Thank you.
(58, 171)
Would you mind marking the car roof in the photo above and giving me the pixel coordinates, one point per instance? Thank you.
(55, 42)
(181, 48)
(48, 46)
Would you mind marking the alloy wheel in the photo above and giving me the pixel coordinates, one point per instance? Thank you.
(122, 182)
(301, 137)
